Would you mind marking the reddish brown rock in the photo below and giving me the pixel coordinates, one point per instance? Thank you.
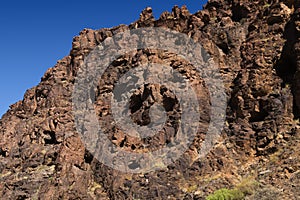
(255, 44)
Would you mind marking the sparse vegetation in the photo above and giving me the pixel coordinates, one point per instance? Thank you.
(225, 194)
(246, 187)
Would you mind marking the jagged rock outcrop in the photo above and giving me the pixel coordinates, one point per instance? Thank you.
(256, 46)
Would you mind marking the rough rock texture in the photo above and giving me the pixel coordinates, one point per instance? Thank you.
(255, 44)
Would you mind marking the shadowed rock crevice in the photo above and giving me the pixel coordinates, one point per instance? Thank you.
(239, 12)
(286, 67)
(50, 137)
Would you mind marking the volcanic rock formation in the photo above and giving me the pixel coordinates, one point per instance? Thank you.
(256, 46)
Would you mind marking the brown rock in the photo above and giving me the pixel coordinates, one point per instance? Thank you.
(255, 44)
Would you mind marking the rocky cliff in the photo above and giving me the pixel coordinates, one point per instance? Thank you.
(256, 46)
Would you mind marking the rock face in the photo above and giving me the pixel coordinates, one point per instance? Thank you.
(256, 46)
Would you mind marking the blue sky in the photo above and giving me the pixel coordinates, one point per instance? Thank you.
(35, 34)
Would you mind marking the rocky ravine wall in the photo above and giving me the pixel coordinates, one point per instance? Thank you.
(256, 46)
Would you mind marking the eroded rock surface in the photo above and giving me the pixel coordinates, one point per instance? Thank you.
(256, 46)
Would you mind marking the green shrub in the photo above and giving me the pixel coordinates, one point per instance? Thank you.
(225, 194)
(246, 187)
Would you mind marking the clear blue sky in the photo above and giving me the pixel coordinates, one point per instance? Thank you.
(35, 34)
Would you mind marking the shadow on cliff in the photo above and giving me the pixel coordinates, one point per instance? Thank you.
(286, 66)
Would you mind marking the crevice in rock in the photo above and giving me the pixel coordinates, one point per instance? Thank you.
(257, 116)
(136, 102)
(88, 157)
(3, 153)
(51, 137)
(239, 12)
(224, 47)
(287, 64)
